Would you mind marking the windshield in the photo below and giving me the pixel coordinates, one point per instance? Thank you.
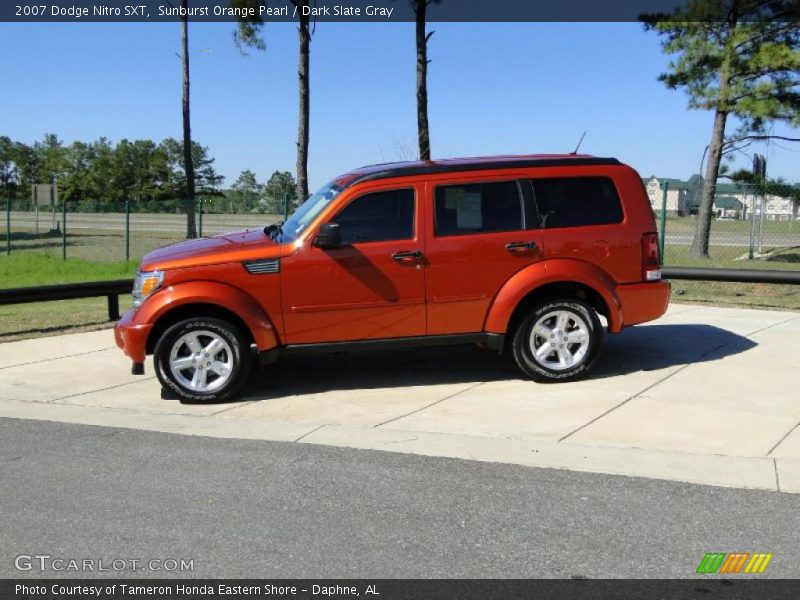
(307, 212)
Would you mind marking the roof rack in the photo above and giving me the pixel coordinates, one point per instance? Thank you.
(376, 172)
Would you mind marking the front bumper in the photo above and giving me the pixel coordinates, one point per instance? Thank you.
(642, 302)
(132, 336)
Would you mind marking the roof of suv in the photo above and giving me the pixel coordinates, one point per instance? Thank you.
(479, 163)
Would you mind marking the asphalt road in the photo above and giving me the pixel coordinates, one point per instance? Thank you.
(253, 508)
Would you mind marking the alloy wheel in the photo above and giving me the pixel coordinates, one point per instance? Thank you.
(201, 361)
(559, 340)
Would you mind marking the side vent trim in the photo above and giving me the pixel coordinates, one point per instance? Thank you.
(264, 266)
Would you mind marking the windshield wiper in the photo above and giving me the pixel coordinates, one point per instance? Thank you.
(274, 230)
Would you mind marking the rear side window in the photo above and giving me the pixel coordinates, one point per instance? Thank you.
(478, 208)
(378, 217)
(577, 201)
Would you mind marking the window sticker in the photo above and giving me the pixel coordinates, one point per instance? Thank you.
(468, 211)
(451, 196)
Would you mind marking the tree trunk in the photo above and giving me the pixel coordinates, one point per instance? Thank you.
(304, 108)
(188, 166)
(423, 131)
(703, 231)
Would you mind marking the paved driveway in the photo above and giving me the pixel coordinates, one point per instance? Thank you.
(706, 395)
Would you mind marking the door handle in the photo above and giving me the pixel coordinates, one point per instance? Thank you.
(406, 255)
(516, 246)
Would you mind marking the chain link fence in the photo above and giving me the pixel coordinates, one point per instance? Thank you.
(118, 231)
(753, 226)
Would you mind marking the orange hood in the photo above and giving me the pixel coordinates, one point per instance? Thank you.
(227, 247)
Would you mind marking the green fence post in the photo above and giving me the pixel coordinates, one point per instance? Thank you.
(285, 206)
(127, 230)
(663, 219)
(200, 228)
(64, 234)
(8, 225)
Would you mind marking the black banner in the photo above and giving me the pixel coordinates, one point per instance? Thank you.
(341, 10)
(398, 589)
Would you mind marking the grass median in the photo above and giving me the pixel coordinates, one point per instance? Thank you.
(25, 269)
(747, 295)
(19, 321)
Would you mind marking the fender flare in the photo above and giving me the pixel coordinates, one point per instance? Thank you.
(562, 270)
(224, 296)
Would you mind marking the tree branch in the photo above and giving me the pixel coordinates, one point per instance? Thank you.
(743, 76)
(782, 28)
(738, 148)
(757, 138)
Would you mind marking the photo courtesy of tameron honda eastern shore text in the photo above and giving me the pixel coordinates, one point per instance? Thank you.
(519, 254)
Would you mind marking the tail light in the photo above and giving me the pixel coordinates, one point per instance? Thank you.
(651, 260)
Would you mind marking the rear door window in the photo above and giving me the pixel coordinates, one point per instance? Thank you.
(478, 208)
(577, 201)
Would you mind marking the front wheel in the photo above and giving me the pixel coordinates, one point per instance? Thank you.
(558, 341)
(202, 360)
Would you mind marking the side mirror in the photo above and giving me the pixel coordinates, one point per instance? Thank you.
(329, 236)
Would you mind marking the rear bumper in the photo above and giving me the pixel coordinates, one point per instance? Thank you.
(642, 302)
(132, 337)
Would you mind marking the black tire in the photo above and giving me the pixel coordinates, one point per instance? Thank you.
(550, 367)
(236, 354)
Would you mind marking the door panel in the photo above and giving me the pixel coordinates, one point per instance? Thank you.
(467, 261)
(362, 290)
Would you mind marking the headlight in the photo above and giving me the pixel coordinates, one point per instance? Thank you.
(145, 284)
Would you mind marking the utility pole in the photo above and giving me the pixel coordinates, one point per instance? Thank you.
(760, 172)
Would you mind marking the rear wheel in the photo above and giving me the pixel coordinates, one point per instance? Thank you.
(558, 341)
(202, 360)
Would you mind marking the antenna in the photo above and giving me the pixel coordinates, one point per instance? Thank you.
(580, 141)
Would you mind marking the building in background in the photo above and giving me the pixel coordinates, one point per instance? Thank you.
(732, 200)
(677, 194)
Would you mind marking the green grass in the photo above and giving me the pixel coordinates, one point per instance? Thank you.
(747, 295)
(733, 257)
(26, 269)
(40, 319)
(37, 319)
(781, 238)
(96, 245)
(688, 225)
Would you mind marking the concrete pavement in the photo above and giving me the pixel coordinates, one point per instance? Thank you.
(704, 395)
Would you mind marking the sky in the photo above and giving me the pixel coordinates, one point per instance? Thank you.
(494, 88)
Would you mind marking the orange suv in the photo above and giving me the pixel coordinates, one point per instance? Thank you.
(520, 254)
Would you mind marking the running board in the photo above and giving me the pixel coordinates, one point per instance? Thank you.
(492, 341)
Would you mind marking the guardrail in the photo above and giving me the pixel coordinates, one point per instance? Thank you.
(732, 275)
(113, 289)
(68, 291)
